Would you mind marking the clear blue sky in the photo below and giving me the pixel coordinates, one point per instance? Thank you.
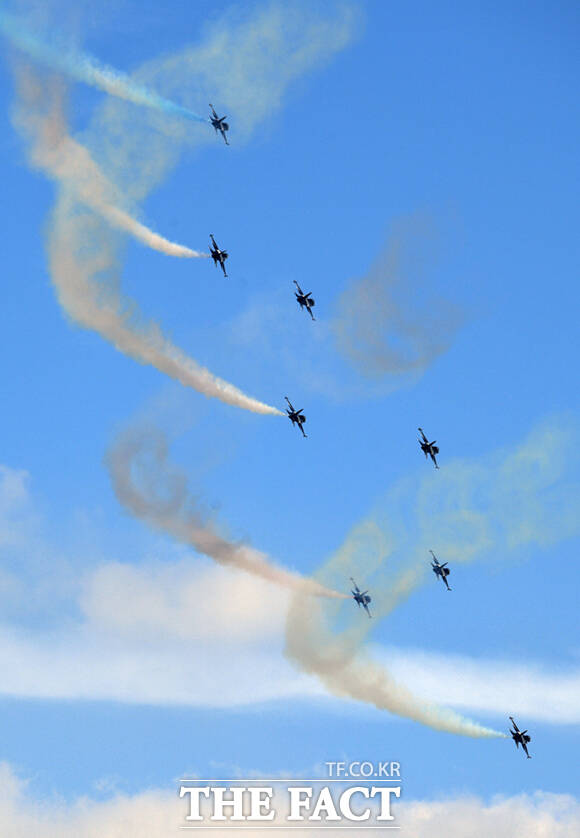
(461, 113)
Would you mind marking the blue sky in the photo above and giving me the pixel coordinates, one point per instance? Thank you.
(450, 131)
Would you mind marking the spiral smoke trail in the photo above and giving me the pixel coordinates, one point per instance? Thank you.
(497, 506)
(81, 252)
(40, 118)
(148, 487)
(248, 64)
(347, 670)
(85, 68)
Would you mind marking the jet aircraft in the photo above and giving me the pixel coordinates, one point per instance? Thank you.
(440, 570)
(296, 416)
(218, 256)
(361, 597)
(520, 737)
(428, 448)
(219, 123)
(305, 300)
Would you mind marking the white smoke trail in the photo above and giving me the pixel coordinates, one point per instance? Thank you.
(247, 64)
(87, 69)
(40, 118)
(150, 489)
(82, 255)
(470, 509)
(98, 306)
(124, 221)
(347, 671)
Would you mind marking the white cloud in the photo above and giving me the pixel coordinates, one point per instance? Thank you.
(183, 601)
(539, 815)
(491, 686)
(157, 813)
(185, 631)
(197, 635)
(162, 634)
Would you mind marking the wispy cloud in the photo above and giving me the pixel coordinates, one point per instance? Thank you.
(545, 692)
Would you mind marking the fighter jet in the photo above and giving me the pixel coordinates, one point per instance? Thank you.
(218, 255)
(440, 570)
(428, 448)
(296, 416)
(520, 737)
(361, 597)
(305, 300)
(219, 123)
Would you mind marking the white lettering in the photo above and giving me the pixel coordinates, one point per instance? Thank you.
(385, 794)
(297, 802)
(194, 794)
(345, 804)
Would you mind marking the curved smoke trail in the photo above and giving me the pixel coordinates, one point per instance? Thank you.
(150, 489)
(250, 63)
(84, 68)
(82, 257)
(80, 271)
(498, 505)
(40, 118)
(347, 671)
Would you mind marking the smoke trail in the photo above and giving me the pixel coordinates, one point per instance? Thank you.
(389, 323)
(40, 118)
(348, 672)
(247, 64)
(86, 69)
(145, 484)
(81, 262)
(81, 253)
(500, 505)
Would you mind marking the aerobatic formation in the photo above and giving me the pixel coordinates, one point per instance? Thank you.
(40, 118)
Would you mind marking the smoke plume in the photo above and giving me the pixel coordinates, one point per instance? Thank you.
(495, 507)
(348, 671)
(147, 486)
(247, 64)
(82, 255)
(40, 118)
(389, 323)
(84, 68)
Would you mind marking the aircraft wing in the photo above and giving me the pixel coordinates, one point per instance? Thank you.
(422, 434)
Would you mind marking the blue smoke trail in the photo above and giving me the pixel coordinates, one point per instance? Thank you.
(86, 69)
